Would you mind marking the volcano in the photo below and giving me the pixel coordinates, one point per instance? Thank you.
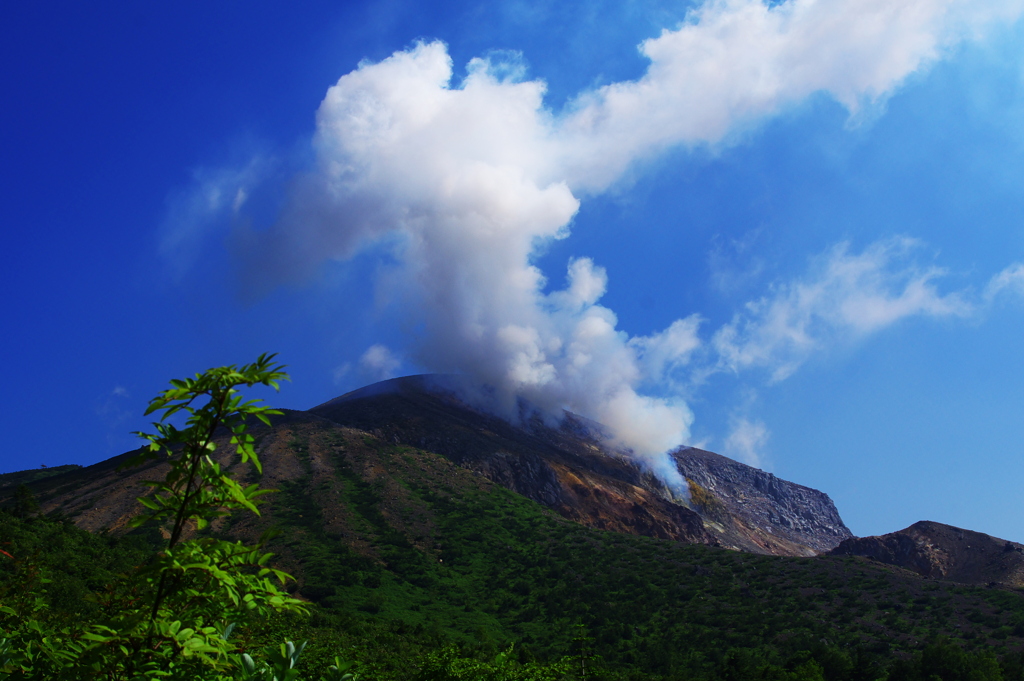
(565, 465)
(570, 468)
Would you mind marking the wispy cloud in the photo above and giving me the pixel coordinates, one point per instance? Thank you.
(665, 355)
(114, 410)
(736, 264)
(843, 299)
(746, 441)
(213, 198)
(1009, 281)
(846, 297)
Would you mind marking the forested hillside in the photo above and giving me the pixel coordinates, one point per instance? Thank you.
(403, 554)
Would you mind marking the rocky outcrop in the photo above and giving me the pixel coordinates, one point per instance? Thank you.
(755, 511)
(944, 552)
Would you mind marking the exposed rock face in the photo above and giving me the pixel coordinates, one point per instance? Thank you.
(569, 469)
(757, 511)
(944, 552)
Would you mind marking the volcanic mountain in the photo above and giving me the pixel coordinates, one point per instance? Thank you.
(570, 468)
(401, 510)
(566, 466)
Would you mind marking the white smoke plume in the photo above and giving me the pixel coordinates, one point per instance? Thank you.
(463, 182)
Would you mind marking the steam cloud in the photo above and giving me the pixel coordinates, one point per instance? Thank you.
(463, 183)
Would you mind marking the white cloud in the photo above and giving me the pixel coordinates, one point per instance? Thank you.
(746, 441)
(378, 363)
(1010, 280)
(459, 180)
(847, 297)
(734, 62)
(463, 183)
(663, 354)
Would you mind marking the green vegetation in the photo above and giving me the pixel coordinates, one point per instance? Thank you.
(412, 568)
(171, 615)
(495, 569)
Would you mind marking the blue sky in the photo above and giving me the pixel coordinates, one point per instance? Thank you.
(783, 234)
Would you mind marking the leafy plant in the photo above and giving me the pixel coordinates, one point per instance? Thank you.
(279, 666)
(171, 617)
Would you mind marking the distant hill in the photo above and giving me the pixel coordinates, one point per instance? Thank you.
(942, 551)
